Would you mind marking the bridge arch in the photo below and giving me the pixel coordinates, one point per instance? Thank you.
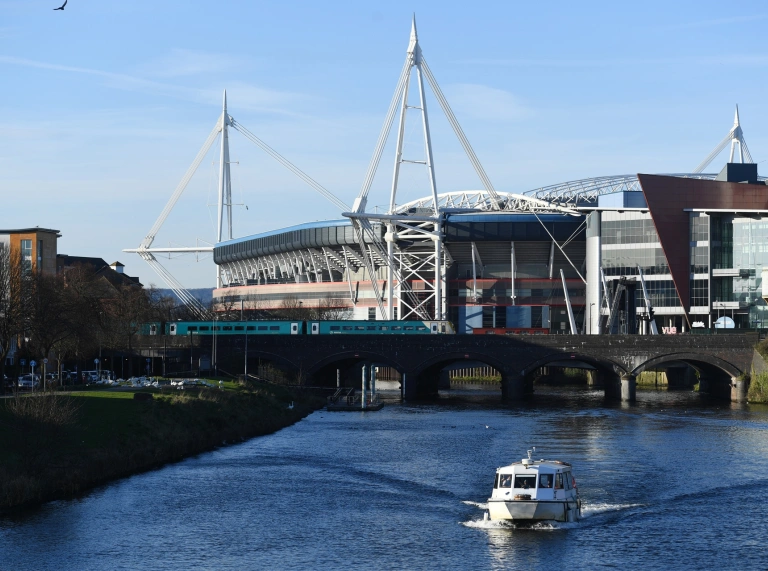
(256, 356)
(424, 379)
(606, 366)
(349, 363)
(696, 360)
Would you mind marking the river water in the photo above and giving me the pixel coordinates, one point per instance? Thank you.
(673, 482)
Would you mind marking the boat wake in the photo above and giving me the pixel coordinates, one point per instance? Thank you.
(478, 505)
(505, 524)
(591, 509)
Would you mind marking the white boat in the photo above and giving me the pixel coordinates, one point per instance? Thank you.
(535, 490)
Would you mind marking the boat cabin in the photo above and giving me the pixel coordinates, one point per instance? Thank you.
(534, 480)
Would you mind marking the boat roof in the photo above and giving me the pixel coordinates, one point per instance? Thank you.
(542, 463)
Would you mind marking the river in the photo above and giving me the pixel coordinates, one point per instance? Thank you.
(673, 482)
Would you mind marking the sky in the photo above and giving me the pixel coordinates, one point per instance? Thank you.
(104, 105)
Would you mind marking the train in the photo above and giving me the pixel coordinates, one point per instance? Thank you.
(296, 327)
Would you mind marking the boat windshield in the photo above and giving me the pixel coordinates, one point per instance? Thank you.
(525, 482)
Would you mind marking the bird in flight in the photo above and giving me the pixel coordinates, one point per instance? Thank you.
(62, 6)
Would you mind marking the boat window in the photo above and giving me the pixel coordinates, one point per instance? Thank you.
(496, 481)
(558, 481)
(525, 482)
(545, 481)
(505, 481)
(262, 327)
(274, 328)
(335, 328)
(567, 480)
(192, 328)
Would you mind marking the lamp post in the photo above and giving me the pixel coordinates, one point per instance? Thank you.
(215, 362)
(245, 366)
(32, 365)
(591, 314)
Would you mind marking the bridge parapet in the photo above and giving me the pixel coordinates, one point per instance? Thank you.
(422, 357)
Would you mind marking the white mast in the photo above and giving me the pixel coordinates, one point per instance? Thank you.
(225, 184)
(735, 137)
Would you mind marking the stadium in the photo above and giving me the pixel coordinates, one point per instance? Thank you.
(615, 254)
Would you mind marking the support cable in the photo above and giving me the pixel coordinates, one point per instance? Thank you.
(150, 237)
(496, 199)
(337, 202)
(559, 247)
(383, 136)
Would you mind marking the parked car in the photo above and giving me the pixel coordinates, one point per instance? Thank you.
(29, 382)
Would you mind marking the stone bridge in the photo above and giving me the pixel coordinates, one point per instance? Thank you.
(617, 359)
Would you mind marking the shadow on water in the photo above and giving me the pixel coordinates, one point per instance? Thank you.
(579, 398)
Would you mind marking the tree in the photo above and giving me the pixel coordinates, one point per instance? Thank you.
(53, 313)
(11, 306)
(123, 316)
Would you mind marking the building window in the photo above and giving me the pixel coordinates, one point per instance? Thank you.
(501, 316)
(26, 255)
(488, 316)
(371, 314)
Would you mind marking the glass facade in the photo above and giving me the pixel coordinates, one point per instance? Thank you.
(739, 252)
(629, 240)
(699, 260)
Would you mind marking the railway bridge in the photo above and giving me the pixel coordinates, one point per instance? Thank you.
(719, 360)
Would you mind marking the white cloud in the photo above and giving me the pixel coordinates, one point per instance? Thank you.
(182, 62)
(255, 97)
(485, 103)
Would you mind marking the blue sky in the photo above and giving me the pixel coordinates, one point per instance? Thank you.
(103, 106)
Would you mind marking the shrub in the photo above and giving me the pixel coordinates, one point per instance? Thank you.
(758, 388)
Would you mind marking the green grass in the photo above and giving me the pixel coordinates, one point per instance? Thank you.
(111, 435)
(758, 388)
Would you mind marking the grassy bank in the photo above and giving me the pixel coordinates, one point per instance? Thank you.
(58, 445)
(758, 388)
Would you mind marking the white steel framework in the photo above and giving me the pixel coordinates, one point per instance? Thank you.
(414, 250)
(736, 138)
(224, 210)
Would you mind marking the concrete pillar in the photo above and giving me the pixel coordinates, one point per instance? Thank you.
(739, 388)
(595, 379)
(594, 283)
(628, 388)
(512, 386)
(409, 386)
(373, 381)
(365, 396)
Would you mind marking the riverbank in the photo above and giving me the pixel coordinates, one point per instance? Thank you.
(59, 445)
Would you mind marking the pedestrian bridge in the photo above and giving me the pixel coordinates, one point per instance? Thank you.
(719, 360)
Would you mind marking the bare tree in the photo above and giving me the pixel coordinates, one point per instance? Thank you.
(333, 309)
(293, 308)
(11, 306)
(52, 313)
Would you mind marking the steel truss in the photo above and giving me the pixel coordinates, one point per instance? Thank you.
(413, 244)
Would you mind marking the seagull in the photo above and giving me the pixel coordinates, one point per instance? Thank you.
(62, 6)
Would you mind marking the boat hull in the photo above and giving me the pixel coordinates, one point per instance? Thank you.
(534, 510)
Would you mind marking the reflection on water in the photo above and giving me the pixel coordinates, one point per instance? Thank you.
(406, 488)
